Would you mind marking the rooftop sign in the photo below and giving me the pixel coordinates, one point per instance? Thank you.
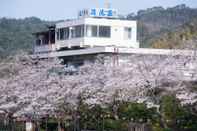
(98, 12)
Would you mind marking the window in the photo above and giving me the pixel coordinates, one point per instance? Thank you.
(38, 42)
(94, 31)
(58, 34)
(91, 31)
(104, 31)
(66, 33)
(74, 32)
(127, 33)
(79, 31)
(98, 31)
(61, 34)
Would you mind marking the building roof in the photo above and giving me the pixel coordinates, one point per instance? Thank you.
(119, 50)
(49, 27)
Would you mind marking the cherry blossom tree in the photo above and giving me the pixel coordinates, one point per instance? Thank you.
(35, 88)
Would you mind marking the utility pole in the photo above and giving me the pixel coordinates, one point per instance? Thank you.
(107, 4)
(96, 3)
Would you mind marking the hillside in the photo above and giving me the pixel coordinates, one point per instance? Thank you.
(184, 36)
(155, 21)
(16, 34)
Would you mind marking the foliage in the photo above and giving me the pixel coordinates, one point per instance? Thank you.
(136, 112)
(16, 34)
(175, 116)
(180, 38)
(156, 21)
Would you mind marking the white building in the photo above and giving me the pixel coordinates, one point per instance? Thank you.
(93, 28)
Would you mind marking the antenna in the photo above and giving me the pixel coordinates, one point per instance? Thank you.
(96, 2)
(107, 4)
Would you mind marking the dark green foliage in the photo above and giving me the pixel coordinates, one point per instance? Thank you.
(49, 124)
(99, 118)
(176, 117)
(134, 112)
(155, 21)
(16, 34)
(171, 116)
(177, 38)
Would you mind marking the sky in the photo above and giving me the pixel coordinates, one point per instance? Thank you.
(67, 9)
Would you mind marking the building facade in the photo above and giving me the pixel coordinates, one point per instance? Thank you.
(92, 28)
(97, 32)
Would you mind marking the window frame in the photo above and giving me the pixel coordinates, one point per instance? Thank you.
(127, 33)
(90, 28)
(108, 31)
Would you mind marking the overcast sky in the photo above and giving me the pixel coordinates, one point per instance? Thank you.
(64, 9)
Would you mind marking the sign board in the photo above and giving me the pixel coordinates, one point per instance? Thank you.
(98, 12)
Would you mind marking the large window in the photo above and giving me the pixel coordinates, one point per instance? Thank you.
(79, 31)
(127, 33)
(61, 34)
(91, 31)
(104, 31)
(98, 31)
(70, 32)
(66, 33)
(58, 34)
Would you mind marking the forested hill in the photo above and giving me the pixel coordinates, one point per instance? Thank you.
(153, 25)
(155, 21)
(16, 34)
(182, 37)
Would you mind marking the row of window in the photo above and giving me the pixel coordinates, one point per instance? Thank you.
(81, 31)
(72, 32)
(88, 31)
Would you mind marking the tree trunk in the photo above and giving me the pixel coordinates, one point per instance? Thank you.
(46, 124)
(59, 126)
(29, 126)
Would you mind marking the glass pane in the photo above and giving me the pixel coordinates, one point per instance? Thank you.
(61, 34)
(58, 36)
(104, 31)
(91, 31)
(73, 32)
(88, 31)
(128, 33)
(94, 31)
(82, 30)
(66, 33)
(78, 31)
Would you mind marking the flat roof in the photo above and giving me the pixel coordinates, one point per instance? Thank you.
(119, 50)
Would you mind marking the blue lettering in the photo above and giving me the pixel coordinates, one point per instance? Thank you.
(80, 13)
(93, 12)
(110, 13)
(102, 12)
